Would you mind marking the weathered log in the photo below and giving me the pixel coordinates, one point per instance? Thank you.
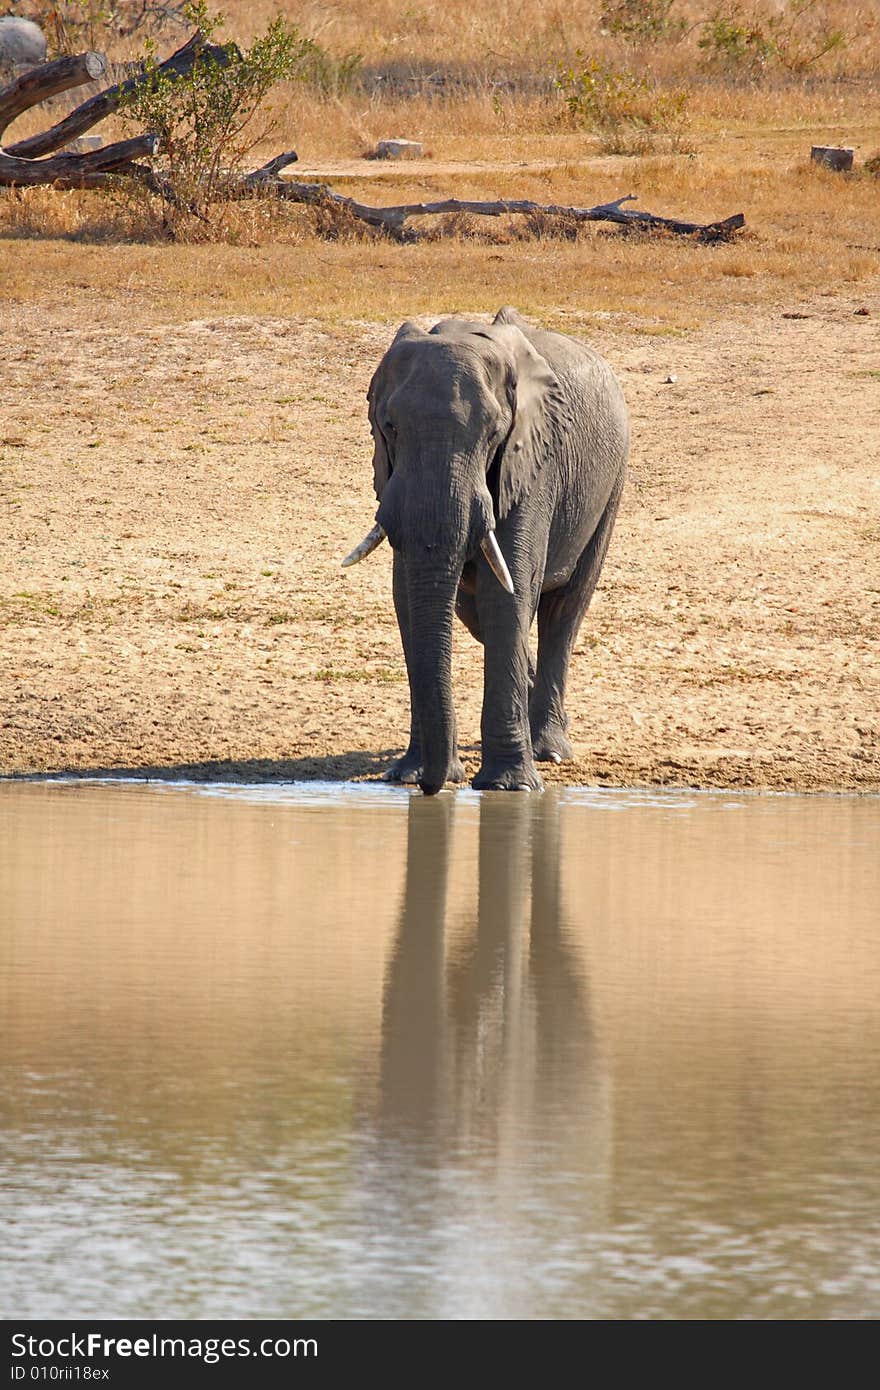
(97, 108)
(48, 80)
(92, 170)
(832, 157)
(393, 219)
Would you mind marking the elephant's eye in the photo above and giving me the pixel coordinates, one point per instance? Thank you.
(389, 429)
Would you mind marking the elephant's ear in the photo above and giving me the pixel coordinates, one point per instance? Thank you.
(379, 386)
(531, 386)
(381, 461)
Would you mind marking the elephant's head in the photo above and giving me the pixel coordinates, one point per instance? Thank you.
(458, 417)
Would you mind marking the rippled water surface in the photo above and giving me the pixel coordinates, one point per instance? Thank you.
(328, 1052)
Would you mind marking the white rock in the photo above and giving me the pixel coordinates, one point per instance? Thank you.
(22, 43)
(83, 144)
(399, 149)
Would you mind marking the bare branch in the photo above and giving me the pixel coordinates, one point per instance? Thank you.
(266, 175)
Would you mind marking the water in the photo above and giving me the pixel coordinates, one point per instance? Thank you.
(323, 1052)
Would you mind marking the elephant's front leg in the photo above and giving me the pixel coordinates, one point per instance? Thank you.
(508, 764)
(408, 768)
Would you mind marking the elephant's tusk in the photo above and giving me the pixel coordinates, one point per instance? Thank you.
(496, 562)
(366, 547)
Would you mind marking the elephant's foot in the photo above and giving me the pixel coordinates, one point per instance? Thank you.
(408, 770)
(505, 776)
(551, 745)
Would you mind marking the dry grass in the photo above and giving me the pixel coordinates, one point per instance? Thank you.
(808, 230)
(493, 136)
(519, 35)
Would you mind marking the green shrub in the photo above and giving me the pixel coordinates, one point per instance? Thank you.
(736, 46)
(72, 25)
(644, 21)
(207, 121)
(329, 75)
(630, 114)
(749, 42)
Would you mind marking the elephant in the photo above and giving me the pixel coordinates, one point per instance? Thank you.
(499, 458)
(22, 44)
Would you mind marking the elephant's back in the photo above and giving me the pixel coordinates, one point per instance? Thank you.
(579, 367)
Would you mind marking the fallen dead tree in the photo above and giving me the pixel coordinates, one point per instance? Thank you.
(393, 219)
(23, 163)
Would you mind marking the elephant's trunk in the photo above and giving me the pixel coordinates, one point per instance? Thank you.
(431, 595)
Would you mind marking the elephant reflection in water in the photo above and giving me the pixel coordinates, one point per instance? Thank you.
(494, 1123)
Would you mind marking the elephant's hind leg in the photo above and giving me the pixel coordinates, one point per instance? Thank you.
(560, 614)
(466, 611)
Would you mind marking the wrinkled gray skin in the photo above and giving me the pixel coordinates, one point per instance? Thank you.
(22, 44)
(494, 426)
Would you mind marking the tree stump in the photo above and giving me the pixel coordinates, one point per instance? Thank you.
(832, 157)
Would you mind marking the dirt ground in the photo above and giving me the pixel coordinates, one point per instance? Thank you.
(178, 496)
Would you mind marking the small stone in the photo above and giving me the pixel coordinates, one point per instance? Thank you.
(399, 149)
(670, 380)
(862, 313)
(83, 144)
